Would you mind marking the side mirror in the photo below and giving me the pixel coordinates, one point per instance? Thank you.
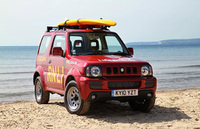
(131, 51)
(57, 51)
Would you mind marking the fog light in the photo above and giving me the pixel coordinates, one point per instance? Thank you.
(93, 97)
(149, 95)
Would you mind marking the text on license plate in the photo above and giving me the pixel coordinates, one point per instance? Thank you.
(117, 93)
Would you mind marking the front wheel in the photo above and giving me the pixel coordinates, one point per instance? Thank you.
(41, 96)
(73, 101)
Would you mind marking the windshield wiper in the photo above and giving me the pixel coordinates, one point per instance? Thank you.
(95, 53)
(102, 53)
(121, 54)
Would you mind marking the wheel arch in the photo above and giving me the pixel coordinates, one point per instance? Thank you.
(36, 74)
(39, 72)
(73, 74)
(69, 78)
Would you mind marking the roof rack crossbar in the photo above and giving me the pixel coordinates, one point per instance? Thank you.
(64, 27)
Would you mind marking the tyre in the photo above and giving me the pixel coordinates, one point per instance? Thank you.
(144, 105)
(134, 106)
(41, 96)
(148, 104)
(73, 101)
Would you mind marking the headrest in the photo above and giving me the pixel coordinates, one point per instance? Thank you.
(94, 44)
(78, 43)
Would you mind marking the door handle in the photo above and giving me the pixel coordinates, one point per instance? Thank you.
(49, 61)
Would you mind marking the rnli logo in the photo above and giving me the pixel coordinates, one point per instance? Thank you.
(55, 74)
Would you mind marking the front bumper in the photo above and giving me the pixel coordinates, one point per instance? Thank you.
(101, 87)
(106, 95)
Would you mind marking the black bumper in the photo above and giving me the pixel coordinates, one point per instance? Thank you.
(106, 95)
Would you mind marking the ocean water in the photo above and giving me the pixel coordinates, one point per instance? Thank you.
(17, 65)
(175, 67)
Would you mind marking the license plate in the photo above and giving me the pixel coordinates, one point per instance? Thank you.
(119, 93)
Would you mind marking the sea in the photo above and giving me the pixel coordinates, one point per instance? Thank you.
(174, 66)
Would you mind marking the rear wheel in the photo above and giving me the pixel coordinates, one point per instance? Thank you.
(41, 96)
(73, 101)
(144, 105)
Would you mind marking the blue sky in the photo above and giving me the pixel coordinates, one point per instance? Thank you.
(24, 21)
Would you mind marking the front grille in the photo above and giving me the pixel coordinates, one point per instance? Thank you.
(123, 85)
(115, 70)
(134, 70)
(128, 70)
(121, 70)
(108, 70)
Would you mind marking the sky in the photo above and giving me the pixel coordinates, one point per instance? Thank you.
(23, 22)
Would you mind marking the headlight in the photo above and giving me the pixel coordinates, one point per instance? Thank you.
(93, 71)
(146, 70)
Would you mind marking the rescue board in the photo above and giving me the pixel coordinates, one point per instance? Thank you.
(88, 22)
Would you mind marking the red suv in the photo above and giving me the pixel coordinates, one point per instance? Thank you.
(91, 64)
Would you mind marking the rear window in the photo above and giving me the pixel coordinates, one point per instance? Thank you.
(44, 44)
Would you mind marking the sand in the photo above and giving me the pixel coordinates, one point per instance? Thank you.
(173, 109)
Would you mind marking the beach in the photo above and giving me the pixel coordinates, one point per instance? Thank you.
(173, 109)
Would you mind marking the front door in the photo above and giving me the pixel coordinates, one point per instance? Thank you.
(55, 75)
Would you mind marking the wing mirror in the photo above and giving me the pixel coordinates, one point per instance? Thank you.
(131, 51)
(57, 51)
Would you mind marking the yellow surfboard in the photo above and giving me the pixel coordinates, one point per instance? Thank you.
(87, 22)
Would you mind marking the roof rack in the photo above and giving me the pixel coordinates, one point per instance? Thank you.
(54, 28)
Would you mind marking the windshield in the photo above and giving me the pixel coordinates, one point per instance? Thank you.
(96, 44)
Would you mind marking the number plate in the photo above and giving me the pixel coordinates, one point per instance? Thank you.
(118, 93)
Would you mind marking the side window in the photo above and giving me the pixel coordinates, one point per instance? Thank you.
(44, 45)
(59, 41)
